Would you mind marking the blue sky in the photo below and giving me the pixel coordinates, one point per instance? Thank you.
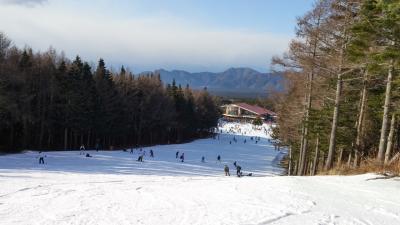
(194, 35)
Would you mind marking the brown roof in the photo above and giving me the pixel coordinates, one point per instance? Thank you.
(255, 109)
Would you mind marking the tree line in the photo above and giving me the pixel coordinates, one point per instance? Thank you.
(341, 105)
(48, 101)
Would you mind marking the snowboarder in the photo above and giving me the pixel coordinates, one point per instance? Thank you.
(182, 157)
(151, 153)
(203, 159)
(238, 171)
(226, 169)
(219, 158)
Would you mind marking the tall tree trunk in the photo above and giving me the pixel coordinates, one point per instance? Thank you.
(332, 140)
(390, 139)
(65, 138)
(360, 121)
(303, 155)
(11, 140)
(386, 107)
(339, 85)
(304, 140)
(82, 138)
(290, 161)
(339, 163)
(88, 139)
(316, 156)
(49, 137)
(349, 160)
(301, 149)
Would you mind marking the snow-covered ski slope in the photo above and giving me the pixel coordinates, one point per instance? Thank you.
(112, 188)
(259, 158)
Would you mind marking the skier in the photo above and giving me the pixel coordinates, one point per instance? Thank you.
(238, 171)
(203, 159)
(234, 163)
(226, 169)
(140, 158)
(219, 158)
(176, 154)
(151, 153)
(41, 158)
(82, 149)
(182, 157)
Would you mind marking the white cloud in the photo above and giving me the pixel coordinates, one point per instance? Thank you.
(140, 43)
(29, 3)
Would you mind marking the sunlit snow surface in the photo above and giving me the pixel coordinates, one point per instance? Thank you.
(113, 188)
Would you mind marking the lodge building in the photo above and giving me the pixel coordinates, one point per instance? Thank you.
(247, 113)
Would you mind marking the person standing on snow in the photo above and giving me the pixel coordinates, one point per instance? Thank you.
(203, 159)
(176, 154)
(182, 157)
(226, 169)
(82, 149)
(238, 171)
(41, 158)
(219, 158)
(151, 153)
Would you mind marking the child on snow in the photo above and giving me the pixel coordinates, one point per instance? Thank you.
(226, 169)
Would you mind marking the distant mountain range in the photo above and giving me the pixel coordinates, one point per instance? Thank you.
(234, 82)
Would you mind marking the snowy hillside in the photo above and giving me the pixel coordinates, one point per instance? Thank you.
(245, 129)
(113, 188)
(258, 158)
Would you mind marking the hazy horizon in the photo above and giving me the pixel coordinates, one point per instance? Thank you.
(145, 36)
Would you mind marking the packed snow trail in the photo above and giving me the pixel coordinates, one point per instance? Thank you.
(113, 188)
(75, 198)
(259, 158)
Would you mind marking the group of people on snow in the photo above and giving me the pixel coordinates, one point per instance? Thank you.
(142, 154)
(238, 170)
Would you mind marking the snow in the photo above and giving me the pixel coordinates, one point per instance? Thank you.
(113, 188)
(246, 129)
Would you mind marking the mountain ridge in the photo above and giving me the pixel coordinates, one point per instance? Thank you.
(233, 80)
